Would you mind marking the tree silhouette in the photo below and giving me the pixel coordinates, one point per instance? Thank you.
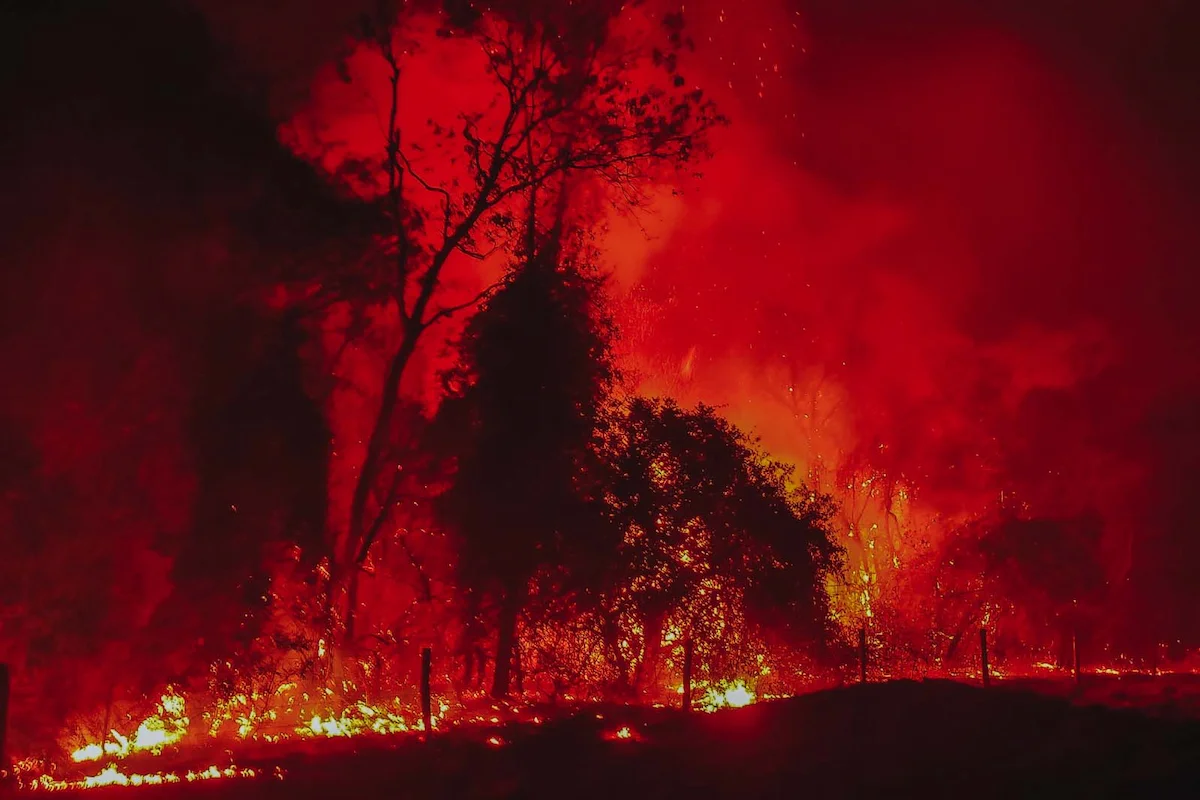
(1162, 582)
(1045, 573)
(518, 419)
(566, 104)
(709, 529)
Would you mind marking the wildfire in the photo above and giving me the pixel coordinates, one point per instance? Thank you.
(735, 695)
(163, 728)
(362, 718)
(730, 695)
(113, 776)
(622, 734)
(170, 725)
(239, 717)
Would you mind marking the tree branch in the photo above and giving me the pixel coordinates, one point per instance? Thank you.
(447, 202)
(448, 311)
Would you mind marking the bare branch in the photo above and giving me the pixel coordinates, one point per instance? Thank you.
(447, 201)
(478, 255)
(385, 508)
(448, 311)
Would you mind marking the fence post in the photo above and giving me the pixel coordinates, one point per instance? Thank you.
(862, 652)
(426, 700)
(983, 656)
(688, 653)
(1075, 649)
(4, 689)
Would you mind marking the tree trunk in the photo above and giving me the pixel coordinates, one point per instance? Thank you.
(356, 543)
(1065, 655)
(518, 670)
(426, 701)
(5, 683)
(506, 643)
(612, 641)
(468, 656)
(963, 625)
(108, 707)
(652, 651)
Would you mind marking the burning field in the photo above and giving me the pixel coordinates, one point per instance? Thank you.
(936, 739)
(442, 394)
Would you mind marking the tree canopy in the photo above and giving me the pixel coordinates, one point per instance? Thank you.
(706, 522)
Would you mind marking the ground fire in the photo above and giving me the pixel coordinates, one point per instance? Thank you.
(462, 375)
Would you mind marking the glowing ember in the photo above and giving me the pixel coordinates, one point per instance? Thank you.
(622, 734)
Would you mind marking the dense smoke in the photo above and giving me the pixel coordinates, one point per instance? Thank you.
(953, 245)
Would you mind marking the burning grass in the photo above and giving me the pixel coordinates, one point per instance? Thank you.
(194, 737)
(114, 776)
(164, 748)
(934, 737)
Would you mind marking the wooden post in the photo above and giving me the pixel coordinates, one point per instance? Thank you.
(983, 658)
(106, 731)
(862, 652)
(426, 700)
(4, 687)
(1075, 649)
(688, 653)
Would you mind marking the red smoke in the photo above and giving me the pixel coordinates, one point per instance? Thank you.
(919, 249)
(945, 246)
(954, 230)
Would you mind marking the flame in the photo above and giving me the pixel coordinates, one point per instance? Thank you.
(362, 718)
(113, 776)
(166, 727)
(169, 726)
(735, 695)
(622, 734)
